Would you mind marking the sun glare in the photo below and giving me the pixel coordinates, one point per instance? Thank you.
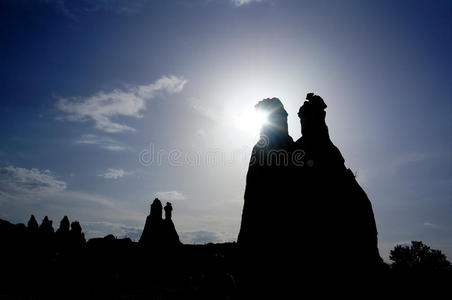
(251, 121)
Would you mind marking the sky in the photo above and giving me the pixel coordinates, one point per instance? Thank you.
(105, 105)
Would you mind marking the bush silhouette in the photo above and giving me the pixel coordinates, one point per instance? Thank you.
(418, 257)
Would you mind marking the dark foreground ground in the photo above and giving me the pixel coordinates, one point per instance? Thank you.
(58, 266)
(112, 268)
(120, 269)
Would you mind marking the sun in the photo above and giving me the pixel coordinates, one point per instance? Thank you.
(250, 121)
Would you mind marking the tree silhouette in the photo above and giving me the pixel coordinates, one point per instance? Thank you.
(418, 257)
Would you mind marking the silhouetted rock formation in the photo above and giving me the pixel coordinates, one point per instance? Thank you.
(157, 232)
(64, 226)
(76, 234)
(168, 211)
(266, 180)
(303, 208)
(152, 232)
(46, 226)
(170, 237)
(47, 238)
(335, 213)
(263, 228)
(69, 237)
(32, 224)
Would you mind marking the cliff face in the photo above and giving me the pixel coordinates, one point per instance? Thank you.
(303, 208)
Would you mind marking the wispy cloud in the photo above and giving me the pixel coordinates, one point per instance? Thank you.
(16, 182)
(431, 225)
(410, 158)
(102, 141)
(115, 173)
(170, 196)
(243, 2)
(91, 206)
(42, 193)
(76, 9)
(24, 184)
(102, 107)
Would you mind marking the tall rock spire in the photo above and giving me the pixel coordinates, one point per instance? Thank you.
(168, 211)
(302, 207)
(263, 226)
(159, 232)
(327, 194)
(32, 224)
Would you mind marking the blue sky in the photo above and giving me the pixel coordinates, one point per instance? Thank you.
(89, 89)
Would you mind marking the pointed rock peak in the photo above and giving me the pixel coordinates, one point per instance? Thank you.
(156, 209)
(32, 223)
(64, 224)
(46, 225)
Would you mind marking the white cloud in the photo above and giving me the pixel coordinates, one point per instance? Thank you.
(103, 106)
(18, 182)
(115, 173)
(206, 112)
(243, 2)
(102, 141)
(170, 196)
